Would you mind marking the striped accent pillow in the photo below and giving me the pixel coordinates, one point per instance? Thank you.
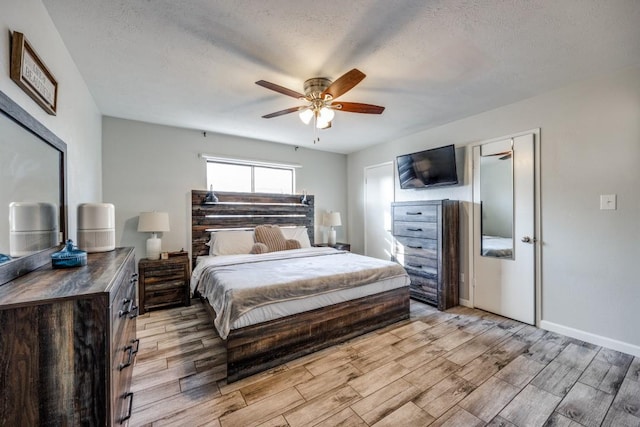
(272, 236)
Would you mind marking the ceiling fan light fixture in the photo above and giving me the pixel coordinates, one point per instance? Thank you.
(326, 114)
(322, 124)
(306, 115)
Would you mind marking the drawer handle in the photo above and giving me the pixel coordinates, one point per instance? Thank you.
(126, 310)
(414, 265)
(134, 312)
(130, 397)
(414, 229)
(414, 213)
(130, 353)
(414, 247)
(129, 350)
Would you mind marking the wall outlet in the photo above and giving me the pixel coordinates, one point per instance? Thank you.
(461, 277)
(607, 202)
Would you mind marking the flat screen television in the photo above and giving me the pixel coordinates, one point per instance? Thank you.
(428, 168)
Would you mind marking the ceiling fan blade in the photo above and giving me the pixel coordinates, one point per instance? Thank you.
(345, 83)
(281, 112)
(280, 89)
(356, 107)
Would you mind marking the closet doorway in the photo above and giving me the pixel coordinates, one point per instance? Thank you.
(378, 195)
(505, 234)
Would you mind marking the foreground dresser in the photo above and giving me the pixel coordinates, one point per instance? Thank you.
(67, 343)
(426, 244)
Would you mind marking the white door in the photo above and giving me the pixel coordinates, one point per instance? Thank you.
(377, 210)
(504, 227)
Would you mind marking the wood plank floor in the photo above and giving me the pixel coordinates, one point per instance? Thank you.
(463, 367)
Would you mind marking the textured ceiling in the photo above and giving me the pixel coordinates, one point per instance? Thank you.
(193, 63)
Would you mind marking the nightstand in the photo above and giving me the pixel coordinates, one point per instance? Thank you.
(338, 245)
(164, 282)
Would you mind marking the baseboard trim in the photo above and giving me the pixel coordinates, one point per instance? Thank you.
(465, 303)
(591, 338)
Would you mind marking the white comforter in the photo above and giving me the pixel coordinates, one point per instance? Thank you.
(236, 284)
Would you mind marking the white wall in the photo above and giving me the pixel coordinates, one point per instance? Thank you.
(590, 145)
(152, 167)
(78, 121)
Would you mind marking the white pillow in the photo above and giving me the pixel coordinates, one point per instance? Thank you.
(298, 233)
(231, 242)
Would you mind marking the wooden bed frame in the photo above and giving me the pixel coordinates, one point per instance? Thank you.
(256, 348)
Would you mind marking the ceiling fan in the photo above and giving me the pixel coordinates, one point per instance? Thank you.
(320, 95)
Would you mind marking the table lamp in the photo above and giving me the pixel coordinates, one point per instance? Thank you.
(153, 222)
(333, 220)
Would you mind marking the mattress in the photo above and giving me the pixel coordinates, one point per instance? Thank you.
(280, 284)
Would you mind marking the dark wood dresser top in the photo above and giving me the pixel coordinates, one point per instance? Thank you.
(46, 283)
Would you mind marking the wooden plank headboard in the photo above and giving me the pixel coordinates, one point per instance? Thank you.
(245, 210)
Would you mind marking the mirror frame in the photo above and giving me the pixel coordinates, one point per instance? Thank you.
(23, 265)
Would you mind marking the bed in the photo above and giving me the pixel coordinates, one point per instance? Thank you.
(329, 296)
(496, 246)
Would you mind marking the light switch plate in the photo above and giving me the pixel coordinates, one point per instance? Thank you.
(607, 202)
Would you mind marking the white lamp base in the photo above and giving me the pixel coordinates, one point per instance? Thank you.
(154, 247)
(332, 237)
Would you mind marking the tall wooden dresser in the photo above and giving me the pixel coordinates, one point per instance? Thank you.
(426, 244)
(67, 343)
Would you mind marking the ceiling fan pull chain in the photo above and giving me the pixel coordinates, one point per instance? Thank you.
(315, 129)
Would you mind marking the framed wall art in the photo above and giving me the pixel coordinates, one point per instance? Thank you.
(32, 75)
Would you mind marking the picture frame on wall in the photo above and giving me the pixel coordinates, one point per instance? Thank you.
(29, 72)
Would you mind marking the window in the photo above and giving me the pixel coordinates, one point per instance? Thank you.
(250, 177)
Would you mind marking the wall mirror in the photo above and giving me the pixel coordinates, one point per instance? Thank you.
(496, 195)
(32, 191)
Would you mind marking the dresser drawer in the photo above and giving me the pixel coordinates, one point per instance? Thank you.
(420, 266)
(417, 230)
(417, 213)
(427, 248)
(424, 288)
(124, 353)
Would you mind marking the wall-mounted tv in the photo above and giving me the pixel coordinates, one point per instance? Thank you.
(428, 168)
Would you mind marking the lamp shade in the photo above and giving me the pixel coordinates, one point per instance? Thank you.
(153, 222)
(326, 114)
(306, 115)
(333, 219)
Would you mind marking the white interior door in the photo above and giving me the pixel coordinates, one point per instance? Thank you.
(377, 210)
(504, 227)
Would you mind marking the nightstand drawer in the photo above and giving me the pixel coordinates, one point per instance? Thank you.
(164, 286)
(165, 297)
(151, 280)
(165, 273)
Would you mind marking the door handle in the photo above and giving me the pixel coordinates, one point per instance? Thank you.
(527, 239)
